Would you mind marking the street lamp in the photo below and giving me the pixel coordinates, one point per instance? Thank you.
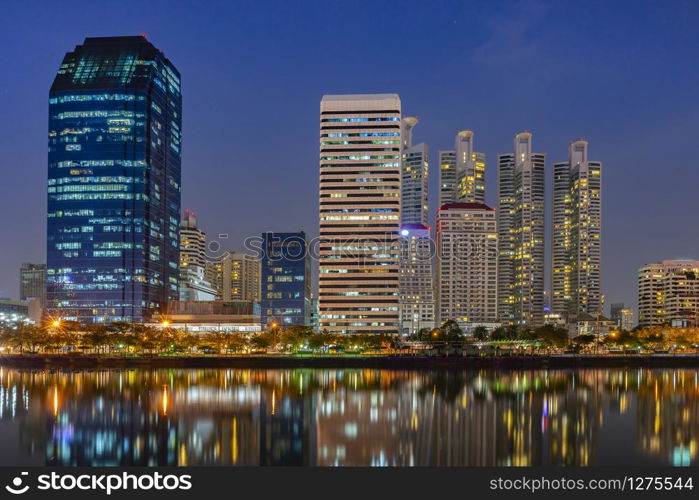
(165, 323)
(56, 323)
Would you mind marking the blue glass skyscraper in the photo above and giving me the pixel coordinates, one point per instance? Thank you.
(286, 279)
(115, 121)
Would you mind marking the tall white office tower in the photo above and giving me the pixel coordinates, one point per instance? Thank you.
(467, 255)
(416, 280)
(448, 178)
(576, 237)
(359, 245)
(415, 177)
(470, 170)
(521, 219)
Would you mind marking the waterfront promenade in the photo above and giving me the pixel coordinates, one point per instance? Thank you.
(353, 361)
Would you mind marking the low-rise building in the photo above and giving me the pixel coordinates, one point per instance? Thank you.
(207, 316)
(587, 324)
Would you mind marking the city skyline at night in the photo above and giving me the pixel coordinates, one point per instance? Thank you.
(637, 111)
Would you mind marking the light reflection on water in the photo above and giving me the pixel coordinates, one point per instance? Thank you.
(349, 417)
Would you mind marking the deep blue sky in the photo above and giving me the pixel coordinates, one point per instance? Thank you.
(622, 74)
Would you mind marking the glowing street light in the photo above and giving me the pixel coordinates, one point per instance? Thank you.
(165, 323)
(56, 323)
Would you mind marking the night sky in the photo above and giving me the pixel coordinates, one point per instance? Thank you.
(621, 74)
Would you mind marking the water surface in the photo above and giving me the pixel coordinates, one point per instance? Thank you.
(349, 417)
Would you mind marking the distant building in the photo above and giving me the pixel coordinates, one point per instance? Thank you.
(461, 172)
(576, 234)
(32, 282)
(314, 314)
(415, 177)
(521, 231)
(467, 253)
(286, 279)
(359, 212)
(668, 290)
(193, 284)
(114, 168)
(448, 178)
(12, 311)
(626, 319)
(615, 311)
(235, 276)
(416, 283)
(622, 316)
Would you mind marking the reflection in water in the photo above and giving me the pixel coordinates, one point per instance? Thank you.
(350, 417)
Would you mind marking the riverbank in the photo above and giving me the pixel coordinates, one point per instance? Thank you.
(339, 361)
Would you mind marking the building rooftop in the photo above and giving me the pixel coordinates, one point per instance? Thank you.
(359, 97)
(466, 206)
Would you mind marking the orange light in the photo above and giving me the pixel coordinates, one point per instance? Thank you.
(165, 323)
(56, 323)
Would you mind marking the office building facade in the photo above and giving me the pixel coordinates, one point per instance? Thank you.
(576, 234)
(235, 276)
(521, 231)
(467, 259)
(32, 282)
(286, 279)
(115, 121)
(359, 246)
(416, 279)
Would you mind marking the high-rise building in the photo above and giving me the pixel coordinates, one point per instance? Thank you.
(115, 121)
(235, 276)
(416, 283)
(576, 236)
(521, 219)
(360, 176)
(415, 177)
(448, 178)
(668, 292)
(467, 259)
(32, 282)
(286, 279)
(461, 172)
(193, 284)
(470, 170)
